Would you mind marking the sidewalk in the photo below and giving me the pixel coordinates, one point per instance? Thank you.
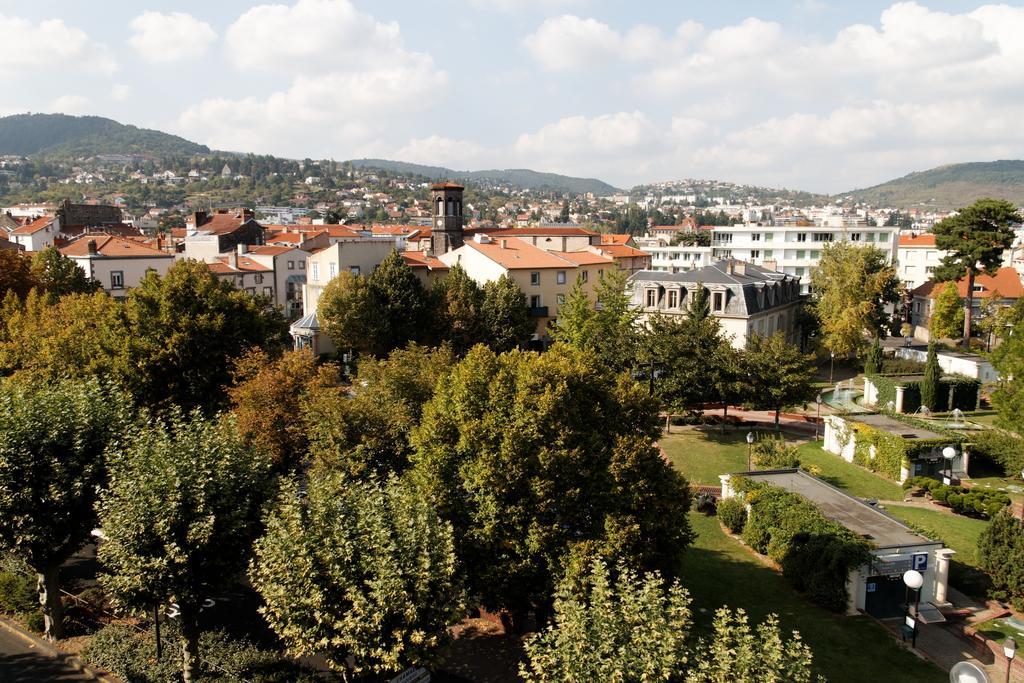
(25, 658)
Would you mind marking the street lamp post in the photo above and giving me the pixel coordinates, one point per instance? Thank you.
(948, 453)
(831, 366)
(913, 580)
(817, 420)
(1009, 649)
(750, 446)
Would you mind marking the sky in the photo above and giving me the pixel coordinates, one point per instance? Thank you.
(817, 95)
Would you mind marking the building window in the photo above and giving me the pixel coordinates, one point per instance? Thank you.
(823, 237)
(929, 269)
(801, 254)
(583, 276)
(332, 269)
(269, 292)
(251, 290)
(755, 253)
(768, 236)
(258, 279)
(869, 237)
(354, 270)
(815, 255)
(302, 265)
(855, 237)
(117, 279)
(718, 302)
(883, 237)
(652, 298)
(673, 298)
(291, 265)
(560, 277)
(535, 278)
(767, 253)
(314, 270)
(535, 301)
(755, 237)
(560, 298)
(801, 237)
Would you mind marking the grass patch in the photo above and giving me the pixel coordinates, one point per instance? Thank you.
(702, 454)
(957, 532)
(851, 478)
(718, 570)
(998, 630)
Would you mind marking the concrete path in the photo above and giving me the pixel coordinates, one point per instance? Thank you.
(26, 659)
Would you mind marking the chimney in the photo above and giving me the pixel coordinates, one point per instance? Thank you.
(233, 260)
(741, 268)
(504, 244)
(242, 248)
(730, 267)
(198, 218)
(91, 247)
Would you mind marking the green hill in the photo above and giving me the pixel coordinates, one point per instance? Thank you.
(948, 187)
(520, 177)
(60, 135)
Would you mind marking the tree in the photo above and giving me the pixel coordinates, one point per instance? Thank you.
(365, 431)
(458, 318)
(775, 454)
(401, 304)
(266, 396)
(180, 515)
(52, 440)
(618, 627)
(777, 374)
(15, 274)
(1001, 555)
(563, 215)
(177, 334)
(506, 314)
(974, 239)
(1008, 396)
(930, 384)
(851, 287)
(737, 653)
(346, 313)
(357, 570)
(947, 319)
(58, 275)
(606, 326)
(534, 458)
(576, 319)
(874, 360)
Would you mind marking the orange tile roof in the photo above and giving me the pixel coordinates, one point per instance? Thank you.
(223, 223)
(110, 246)
(270, 250)
(33, 227)
(610, 238)
(583, 258)
(517, 254)
(447, 186)
(1006, 281)
(418, 259)
(539, 231)
(245, 265)
(923, 240)
(621, 251)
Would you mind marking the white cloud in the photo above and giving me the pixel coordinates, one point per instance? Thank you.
(569, 42)
(162, 38)
(119, 92)
(69, 104)
(521, 5)
(50, 44)
(443, 151)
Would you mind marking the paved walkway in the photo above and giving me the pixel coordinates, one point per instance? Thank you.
(24, 661)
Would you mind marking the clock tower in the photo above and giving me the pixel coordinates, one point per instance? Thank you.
(446, 225)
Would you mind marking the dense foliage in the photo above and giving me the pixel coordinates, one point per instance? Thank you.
(363, 574)
(1001, 555)
(1003, 449)
(775, 454)
(930, 385)
(534, 458)
(947, 318)
(53, 134)
(815, 553)
(777, 374)
(732, 512)
(973, 502)
(605, 324)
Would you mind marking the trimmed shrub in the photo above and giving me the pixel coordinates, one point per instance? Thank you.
(732, 513)
(1001, 448)
(1001, 555)
(704, 502)
(771, 453)
(968, 502)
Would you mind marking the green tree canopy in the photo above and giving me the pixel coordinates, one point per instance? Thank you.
(852, 285)
(178, 334)
(1008, 395)
(777, 373)
(974, 238)
(607, 325)
(947, 319)
(506, 314)
(52, 440)
(180, 515)
(536, 457)
(58, 275)
(346, 313)
(459, 317)
(619, 627)
(1001, 553)
(360, 570)
(930, 384)
(15, 274)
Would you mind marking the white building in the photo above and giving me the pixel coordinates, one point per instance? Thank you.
(916, 259)
(118, 264)
(794, 249)
(38, 234)
(289, 273)
(671, 258)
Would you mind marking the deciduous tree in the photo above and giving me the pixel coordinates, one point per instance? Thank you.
(852, 285)
(362, 574)
(346, 313)
(180, 515)
(777, 373)
(947, 319)
(15, 274)
(974, 239)
(458, 317)
(506, 315)
(58, 275)
(52, 440)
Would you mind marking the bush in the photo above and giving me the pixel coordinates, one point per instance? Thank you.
(772, 453)
(969, 502)
(1000, 448)
(132, 656)
(733, 514)
(17, 593)
(704, 502)
(1001, 555)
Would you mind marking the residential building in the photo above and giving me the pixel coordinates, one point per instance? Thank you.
(746, 299)
(117, 263)
(916, 259)
(1005, 285)
(244, 272)
(208, 235)
(289, 274)
(673, 258)
(359, 256)
(37, 234)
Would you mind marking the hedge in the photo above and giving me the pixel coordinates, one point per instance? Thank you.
(965, 391)
(732, 513)
(1001, 555)
(891, 450)
(815, 553)
(1000, 448)
(973, 502)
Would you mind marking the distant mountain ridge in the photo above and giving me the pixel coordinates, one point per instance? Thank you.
(80, 136)
(948, 187)
(520, 177)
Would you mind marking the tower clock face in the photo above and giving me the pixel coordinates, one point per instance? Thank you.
(440, 221)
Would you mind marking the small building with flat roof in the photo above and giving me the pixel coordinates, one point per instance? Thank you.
(876, 588)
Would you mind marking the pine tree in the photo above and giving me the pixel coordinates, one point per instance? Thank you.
(931, 383)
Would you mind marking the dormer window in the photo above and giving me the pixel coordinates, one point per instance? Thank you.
(652, 298)
(718, 302)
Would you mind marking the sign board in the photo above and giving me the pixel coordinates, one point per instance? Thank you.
(420, 675)
(891, 565)
(910, 621)
(919, 561)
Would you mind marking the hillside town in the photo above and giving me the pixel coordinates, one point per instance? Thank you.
(511, 342)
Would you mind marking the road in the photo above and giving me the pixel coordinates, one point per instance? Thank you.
(23, 662)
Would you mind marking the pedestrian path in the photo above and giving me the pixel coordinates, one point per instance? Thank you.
(25, 659)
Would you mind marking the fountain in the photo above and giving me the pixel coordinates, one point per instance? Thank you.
(923, 412)
(955, 420)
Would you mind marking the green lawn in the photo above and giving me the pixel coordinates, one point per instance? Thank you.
(718, 570)
(957, 532)
(853, 479)
(703, 454)
(998, 630)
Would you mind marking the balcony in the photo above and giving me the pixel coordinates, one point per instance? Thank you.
(539, 312)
